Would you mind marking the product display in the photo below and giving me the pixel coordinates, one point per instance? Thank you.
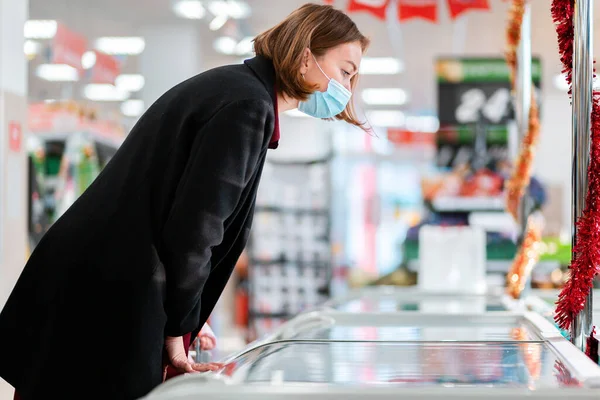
(68, 148)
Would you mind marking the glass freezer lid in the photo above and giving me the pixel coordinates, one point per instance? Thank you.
(420, 302)
(518, 365)
(409, 327)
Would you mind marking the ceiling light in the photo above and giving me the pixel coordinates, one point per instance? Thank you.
(121, 45)
(239, 9)
(424, 124)
(31, 48)
(57, 73)
(132, 108)
(40, 29)
(225, 45)
(190, 9)
(245, 46)
(232, 9)
(104, 92)
(387, 96)
(385, 118)
(295, 113)
(130, 82)
(381, 66)
(217, 22)
(88, 60)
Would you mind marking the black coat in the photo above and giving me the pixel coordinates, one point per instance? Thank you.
(147, 250)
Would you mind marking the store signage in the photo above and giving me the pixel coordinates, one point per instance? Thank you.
(106, 69)
(377, 8)
(68, 47)
(474, 88)
(403, 137)
(15, 136)
(411, 9)
(474, 91)
(459, 7)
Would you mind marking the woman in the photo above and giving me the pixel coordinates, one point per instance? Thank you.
(134, 268)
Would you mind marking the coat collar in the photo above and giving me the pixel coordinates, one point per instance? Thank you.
(265, 71)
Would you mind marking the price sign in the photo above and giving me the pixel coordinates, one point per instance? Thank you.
(472, 91)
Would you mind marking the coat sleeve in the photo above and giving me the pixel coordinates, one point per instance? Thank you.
(224, 157)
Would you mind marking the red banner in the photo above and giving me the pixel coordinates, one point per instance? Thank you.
(402, 137)
(376, 7)
(410, 9)
(106, 69)
(459, 7)
(68, 47)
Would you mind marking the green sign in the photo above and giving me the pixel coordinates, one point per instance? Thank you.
(470, 70)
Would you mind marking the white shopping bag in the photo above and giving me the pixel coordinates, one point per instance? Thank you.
(452, 260)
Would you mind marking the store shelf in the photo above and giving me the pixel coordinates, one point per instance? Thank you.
(293, 263)
(289, 247)
(501, 266)
(298, 211)
(262, 315)
(468, 204)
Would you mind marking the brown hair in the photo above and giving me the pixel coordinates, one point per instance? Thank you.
(318, 28)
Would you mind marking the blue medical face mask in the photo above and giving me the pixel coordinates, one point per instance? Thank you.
(326, 104)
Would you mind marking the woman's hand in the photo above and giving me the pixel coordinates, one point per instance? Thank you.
(207, 338)
(177, 359)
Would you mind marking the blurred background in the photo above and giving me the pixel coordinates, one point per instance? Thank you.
(337, 208)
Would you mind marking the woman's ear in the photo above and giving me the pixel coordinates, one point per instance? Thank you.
(305, 61)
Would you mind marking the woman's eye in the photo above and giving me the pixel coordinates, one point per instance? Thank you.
(346, 73)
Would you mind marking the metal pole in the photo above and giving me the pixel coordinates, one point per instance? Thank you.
(582, 108)
(523, 100)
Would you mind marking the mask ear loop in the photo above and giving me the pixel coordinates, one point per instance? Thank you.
(318, 66)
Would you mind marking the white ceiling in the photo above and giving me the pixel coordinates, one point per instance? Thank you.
(416, 43)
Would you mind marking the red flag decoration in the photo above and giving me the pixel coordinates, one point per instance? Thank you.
(459, 7)
(426, 9)
(375, 7)
(106, 69)
(68, 47)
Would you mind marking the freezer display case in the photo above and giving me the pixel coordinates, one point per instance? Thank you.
(207, 387)
(413, 299)
(331, 354)
(543, 302)
(410, 327)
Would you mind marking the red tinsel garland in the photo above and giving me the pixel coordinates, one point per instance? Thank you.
(586, 251)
